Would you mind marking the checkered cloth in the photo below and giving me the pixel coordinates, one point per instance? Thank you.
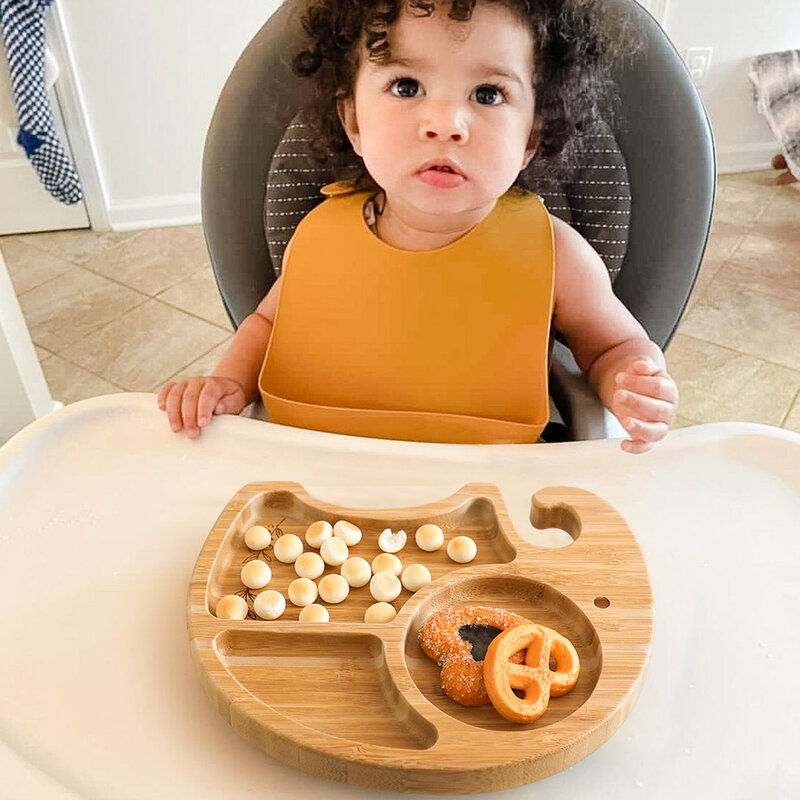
(23, 23)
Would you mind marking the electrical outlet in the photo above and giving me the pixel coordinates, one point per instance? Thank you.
(698, 59)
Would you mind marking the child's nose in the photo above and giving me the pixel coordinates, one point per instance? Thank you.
(444, 121)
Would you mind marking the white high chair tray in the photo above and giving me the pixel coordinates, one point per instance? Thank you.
(103, 513)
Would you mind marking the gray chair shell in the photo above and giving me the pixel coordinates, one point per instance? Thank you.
(664, 136)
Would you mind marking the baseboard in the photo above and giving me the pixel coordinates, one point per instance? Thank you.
(746, 158)
(155, 212)
(184, 209)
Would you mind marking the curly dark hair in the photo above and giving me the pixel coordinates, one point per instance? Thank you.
(574, 50)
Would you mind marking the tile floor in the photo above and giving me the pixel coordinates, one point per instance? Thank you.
(112, 312)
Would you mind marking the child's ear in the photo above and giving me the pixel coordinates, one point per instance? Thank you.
(529, 154)
(346, 107)
(530, 150)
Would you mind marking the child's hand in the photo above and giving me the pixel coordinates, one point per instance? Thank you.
(645, 402)
(191, 403)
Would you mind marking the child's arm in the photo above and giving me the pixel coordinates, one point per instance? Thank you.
(626, 368)
(191, 403)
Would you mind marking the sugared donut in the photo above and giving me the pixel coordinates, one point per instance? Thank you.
(457, 639)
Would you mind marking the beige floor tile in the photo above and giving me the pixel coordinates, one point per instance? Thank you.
(63, 310)
(736, 316)
(708, 271)
(69, 383)
(141, 349)
(28, 266)
(782, 214)
(203, 365)
(760, 181)
(767, 264)
(155, 259)
(198, 295)
(717, 384)
(77, 246)
(742, 198)
(792, 421)
(723, 240)
(740, 203)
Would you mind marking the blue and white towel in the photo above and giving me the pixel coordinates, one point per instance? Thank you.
(776, 79)
(23, 24)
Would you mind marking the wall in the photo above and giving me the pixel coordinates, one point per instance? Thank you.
(737, 30)
(149, 73)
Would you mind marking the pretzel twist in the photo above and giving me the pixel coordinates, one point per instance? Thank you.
(501, 675)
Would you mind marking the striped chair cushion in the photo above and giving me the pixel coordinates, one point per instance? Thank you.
(592, 195)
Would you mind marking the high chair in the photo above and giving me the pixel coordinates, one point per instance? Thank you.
(641, 192)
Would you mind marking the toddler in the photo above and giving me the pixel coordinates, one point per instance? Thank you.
(419, 301)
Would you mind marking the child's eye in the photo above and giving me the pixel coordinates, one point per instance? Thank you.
(405, 87)
(488, 95)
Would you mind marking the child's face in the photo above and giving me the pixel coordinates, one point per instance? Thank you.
(444, 126)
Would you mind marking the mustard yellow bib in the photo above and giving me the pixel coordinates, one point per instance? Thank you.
(446, 345)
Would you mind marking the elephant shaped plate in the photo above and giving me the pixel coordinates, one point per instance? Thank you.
(361, 703)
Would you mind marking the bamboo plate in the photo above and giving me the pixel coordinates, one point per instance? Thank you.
(361, 703)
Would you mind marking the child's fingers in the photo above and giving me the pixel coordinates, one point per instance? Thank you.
(230, 403)
(162, 395)
(650, 409)
(172, 405)
(643, 433)
(635, 446)
(645, 366)
(210, 396)
(189, 407)
(224, 406)
(661, 387)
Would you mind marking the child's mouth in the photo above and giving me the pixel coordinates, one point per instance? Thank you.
(441, 176)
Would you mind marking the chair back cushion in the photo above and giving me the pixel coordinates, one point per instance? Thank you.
(592, 194)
